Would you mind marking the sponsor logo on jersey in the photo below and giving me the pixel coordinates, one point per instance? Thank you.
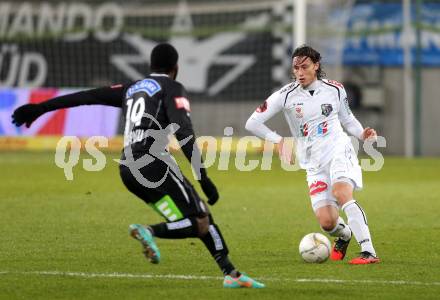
(182, 102)
(326, 109)
(299, 113)
(304, 129)
(317, 187)
(262, 107)
(322, 128)
(150, 86)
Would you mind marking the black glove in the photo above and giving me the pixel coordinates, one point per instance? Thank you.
(210, 190)
(27, 114)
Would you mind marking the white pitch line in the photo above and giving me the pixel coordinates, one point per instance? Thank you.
(385, 282)
(193, 277)
(112, 275)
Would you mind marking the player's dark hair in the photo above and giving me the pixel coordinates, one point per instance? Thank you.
(314, 55)
(163, 58)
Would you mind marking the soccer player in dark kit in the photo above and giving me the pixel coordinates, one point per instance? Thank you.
(155, 107)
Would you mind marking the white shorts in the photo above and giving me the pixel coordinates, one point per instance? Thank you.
(343, 167)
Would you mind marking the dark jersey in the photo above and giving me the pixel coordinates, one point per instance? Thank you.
(155, 105)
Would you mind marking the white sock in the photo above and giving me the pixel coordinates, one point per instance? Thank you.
(341, 230)
(358, 224)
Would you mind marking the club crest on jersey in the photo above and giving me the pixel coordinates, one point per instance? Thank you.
(262, 107)
(182, 102)
(326, 109)
(150, 86)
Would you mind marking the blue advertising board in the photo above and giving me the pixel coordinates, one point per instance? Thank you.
(374, 35)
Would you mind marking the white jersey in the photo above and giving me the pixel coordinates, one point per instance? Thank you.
(314, 120)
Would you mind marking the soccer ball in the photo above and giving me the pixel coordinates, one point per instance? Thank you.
(314, 248)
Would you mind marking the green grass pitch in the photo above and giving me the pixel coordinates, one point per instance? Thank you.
(64, 239)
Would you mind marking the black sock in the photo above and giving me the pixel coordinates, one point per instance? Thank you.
(225, 264)
(235, 273)
(213, 240)
(216, 245)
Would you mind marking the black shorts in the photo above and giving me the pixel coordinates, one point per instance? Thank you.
(174, 198)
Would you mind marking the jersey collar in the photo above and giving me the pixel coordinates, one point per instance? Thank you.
(315, 86)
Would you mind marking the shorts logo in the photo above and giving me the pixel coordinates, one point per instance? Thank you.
(326, 109)
(182, 102)
(262, 107)
(317, 187)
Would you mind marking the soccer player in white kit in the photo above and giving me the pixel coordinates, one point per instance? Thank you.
(316, 109)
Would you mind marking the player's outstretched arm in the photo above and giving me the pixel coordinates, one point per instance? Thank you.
(28, 113)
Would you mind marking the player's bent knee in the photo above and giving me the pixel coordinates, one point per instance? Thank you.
(342, 194)
(202, 225)
(327, 217)
(327, 224)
